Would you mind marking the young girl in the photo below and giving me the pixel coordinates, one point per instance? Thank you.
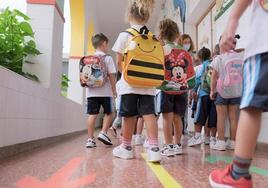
(206, 111)
(254, 100)
(172, 107)
(136, 101)
(226, 107)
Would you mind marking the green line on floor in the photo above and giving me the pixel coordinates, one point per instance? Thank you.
(213, 159)
(163, 176)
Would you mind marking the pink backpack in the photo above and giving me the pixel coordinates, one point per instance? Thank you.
(230, 83)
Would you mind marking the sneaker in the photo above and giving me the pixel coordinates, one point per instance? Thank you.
(177, 149)
(212, 141)
(207, 140)
(103, 137)
(153, 154)
(220, 145)
(146, 144)
(113, 130)
(122, 152)
(91, 143)
(139, 140)
(195, 141)
(223, 179)
(230, 144)
(168, 150)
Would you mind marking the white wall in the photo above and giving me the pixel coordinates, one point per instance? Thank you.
(29, 110)
(204, 33)
(242, 29)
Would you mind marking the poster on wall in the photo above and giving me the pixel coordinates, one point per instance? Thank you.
(204, 33)
(222, 7)
(174, 10)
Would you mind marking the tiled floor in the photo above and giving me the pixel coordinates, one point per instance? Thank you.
(70, 165)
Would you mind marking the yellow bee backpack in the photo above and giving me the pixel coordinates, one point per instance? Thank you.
(143, 64)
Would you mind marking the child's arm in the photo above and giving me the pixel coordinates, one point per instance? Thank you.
(113, 83)
(213, 83)
(228, 41)
(119, 59)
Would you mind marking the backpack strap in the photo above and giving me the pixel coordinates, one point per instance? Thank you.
(134, 32)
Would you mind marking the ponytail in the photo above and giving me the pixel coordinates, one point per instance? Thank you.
(140, 10)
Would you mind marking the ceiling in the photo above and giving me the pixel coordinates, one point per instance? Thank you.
(109, 16)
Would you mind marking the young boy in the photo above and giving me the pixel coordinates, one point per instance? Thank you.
(102, 96)
(206, 114)
(255, 95)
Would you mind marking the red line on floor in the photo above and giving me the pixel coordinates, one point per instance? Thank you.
(60, 178)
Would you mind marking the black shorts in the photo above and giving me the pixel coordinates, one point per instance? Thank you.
(136, 105)
(255, 90)
(172, 103)
(206, 112)
(94, 104)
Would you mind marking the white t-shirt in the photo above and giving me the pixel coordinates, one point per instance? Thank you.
(106, 90)
(119, 47)
(258, 38)
(198, 69)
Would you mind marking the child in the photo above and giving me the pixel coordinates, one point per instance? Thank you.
(187, 43)
(255, 96)
(136, 101)
(206, 110)
(138, 137)
(172, 107)
(227, 106)
(118, 119)
(103, 96)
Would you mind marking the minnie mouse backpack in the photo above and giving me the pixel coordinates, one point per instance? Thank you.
(179, 72)
(93, 69)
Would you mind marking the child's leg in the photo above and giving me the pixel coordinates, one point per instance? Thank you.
(197, 128)
(117, 122)
(93, 108)
(213, 131)
(139, 126)
(151, 125)
(221, 112)
(91, 125)
(212, 120)
(128, 112)
(129, 126)
(207, 130)
(248, 127)
(146, 108)
(107, 121)
(167, 127)
(201, 115)
(107, 104)
(177, 121)
(233, 117)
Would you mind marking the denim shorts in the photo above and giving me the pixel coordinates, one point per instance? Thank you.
(221, 101)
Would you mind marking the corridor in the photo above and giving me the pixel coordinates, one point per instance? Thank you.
(68, 164)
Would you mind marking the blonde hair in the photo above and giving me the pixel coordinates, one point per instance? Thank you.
(140, 10)
(168, 30)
